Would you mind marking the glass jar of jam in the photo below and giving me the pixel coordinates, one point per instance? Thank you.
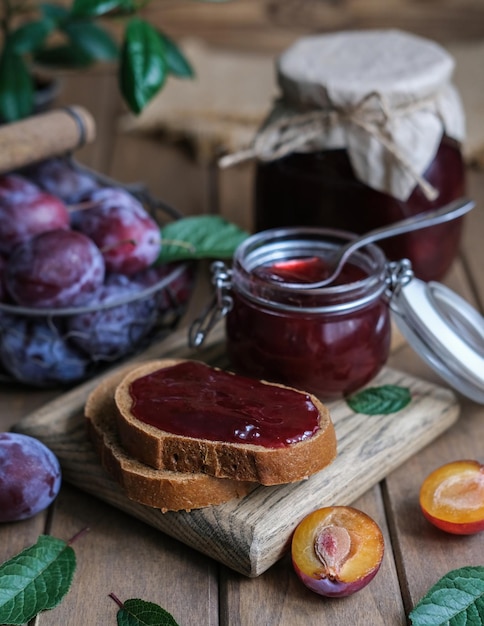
(367, 131)
(329, 341)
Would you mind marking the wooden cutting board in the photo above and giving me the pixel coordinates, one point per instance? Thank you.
(251, 534)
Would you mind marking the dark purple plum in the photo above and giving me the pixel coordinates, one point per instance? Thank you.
(59, 177)
(35, 351)
(15, 188)
(3, 291)
(110, 333)
(173, 297)
(30, 477)
(123, 230)
(26, 212)
(59, 268)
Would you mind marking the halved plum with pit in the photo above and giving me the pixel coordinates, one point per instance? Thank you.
(337, 550)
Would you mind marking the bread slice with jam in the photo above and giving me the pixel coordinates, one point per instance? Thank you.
(161, 489)
(186, 416)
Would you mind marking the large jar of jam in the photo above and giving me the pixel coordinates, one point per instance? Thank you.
(367, 131)
(329, 341)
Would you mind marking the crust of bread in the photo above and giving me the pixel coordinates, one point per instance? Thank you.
(161, 489)
(245, 462)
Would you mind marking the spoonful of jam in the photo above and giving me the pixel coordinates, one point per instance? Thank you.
(289, 273)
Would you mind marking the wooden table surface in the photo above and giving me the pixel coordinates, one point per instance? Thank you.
(126, 557)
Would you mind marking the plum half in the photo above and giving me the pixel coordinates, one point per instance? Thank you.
(337, 550)
(452, 497)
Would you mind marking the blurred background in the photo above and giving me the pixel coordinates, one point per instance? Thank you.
(232, 47)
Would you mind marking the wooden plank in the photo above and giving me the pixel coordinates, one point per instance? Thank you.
(166, 170)
(97, 91)
(17, 536)
(16, 400)
(473, 235)
(251, 534)
(236, 195)
(272, 26)
(423, 553)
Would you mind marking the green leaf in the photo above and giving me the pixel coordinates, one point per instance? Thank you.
(457, 599)
(16, 87)
(200, 237)
(143, 67)
(36, 579)
(380, 400)
(95, 8)
(177, 63)
(137, 612)
(91, 40)
(54, 12)
(63, 56)
(31, 35)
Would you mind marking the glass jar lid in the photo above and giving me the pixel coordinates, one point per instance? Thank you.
(446, 331)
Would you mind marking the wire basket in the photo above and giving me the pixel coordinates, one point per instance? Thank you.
(63, 346)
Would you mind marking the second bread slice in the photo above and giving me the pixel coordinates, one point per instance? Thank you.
(265, 464)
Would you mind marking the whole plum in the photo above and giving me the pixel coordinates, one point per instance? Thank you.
(59, 177)
(59, 268)
(26, 211)
(35, 351)
(14, 188)
(30, 477)
(3, 263)
(110, 333)
(171, 299)
(123, 230)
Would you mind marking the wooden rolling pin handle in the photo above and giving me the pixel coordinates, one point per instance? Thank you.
(45, 135)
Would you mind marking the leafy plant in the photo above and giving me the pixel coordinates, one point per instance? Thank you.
(75, 36)
(457, 599)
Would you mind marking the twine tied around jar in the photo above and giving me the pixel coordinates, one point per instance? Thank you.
(290, 132)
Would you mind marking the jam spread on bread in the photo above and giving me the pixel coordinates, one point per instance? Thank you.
(195, 400)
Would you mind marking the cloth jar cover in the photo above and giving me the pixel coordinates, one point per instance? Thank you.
(385, 96)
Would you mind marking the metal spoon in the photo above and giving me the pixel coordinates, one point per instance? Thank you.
(422, 220)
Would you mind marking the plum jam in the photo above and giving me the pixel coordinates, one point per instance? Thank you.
(320, 189)
(329, 341)
(195, 400)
